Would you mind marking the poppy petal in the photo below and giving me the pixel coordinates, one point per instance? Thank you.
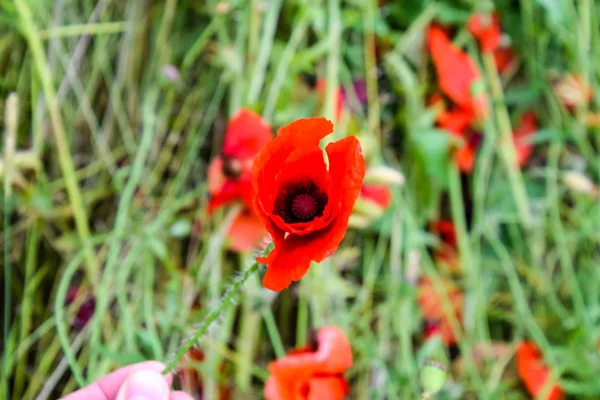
(334, 353)
(456, 72)
(456, 121)
(247, 133)
(246, 231)
(533, 371)
(290, 259)
(327, 388)
(333, 356)
(465, 158)
(486, 29)
(379, 194)
(275, 389)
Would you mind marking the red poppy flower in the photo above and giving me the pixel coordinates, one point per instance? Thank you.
(457, 121)
(522, 137)
(466, 155)
(456, 73)
(339, 97)
(230, 176)
(312, 374)
(437, 323)
(378, 194)
(486, 29)
(534, 372)
(304, 206)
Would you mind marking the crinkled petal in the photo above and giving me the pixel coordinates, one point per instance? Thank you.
(275, 389)
(247, 133)
(533, 371)
(327, 388)
(334, 354)
(486, 29)
(224, 190)
(456, 72)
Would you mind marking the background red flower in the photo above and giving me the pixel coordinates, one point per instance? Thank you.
(312, 374)
(533, 371)
(456, 73)
(230, 177)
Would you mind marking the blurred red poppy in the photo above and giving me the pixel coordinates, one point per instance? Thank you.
(377, 193)
(304, 205)
(534, 372)
(522, 137)
(457, 121)
(230, 177)
(505, 59)
(466, 155)
(437, 323)
(312, 374)
(486, 29)
(456, 73)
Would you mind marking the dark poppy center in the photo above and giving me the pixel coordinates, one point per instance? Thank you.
(300, 202)
(232, 167)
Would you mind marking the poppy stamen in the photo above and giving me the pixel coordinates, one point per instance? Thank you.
(304, 206)
(301, 202)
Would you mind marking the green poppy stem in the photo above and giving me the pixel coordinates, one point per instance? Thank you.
(227, 300)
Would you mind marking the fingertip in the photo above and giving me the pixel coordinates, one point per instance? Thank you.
(145, 384)
(179, 395)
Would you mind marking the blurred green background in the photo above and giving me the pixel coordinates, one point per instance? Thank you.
(119, 106)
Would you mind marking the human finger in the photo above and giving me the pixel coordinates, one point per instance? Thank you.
(107, 387)
(144, 385)
(178, 395)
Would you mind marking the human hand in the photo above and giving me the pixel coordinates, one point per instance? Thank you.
(142, 381)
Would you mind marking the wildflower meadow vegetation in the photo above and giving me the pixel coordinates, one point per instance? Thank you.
(301, 199)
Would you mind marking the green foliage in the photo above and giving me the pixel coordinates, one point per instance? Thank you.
(122, 105)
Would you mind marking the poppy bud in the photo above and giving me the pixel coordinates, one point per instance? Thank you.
(579, 183)
(433, 376)
(384, 175)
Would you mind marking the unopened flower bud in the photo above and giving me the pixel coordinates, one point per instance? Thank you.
(579, 183)
(433, 376)
(384, 175)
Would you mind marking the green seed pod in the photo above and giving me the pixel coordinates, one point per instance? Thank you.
(433, 377)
